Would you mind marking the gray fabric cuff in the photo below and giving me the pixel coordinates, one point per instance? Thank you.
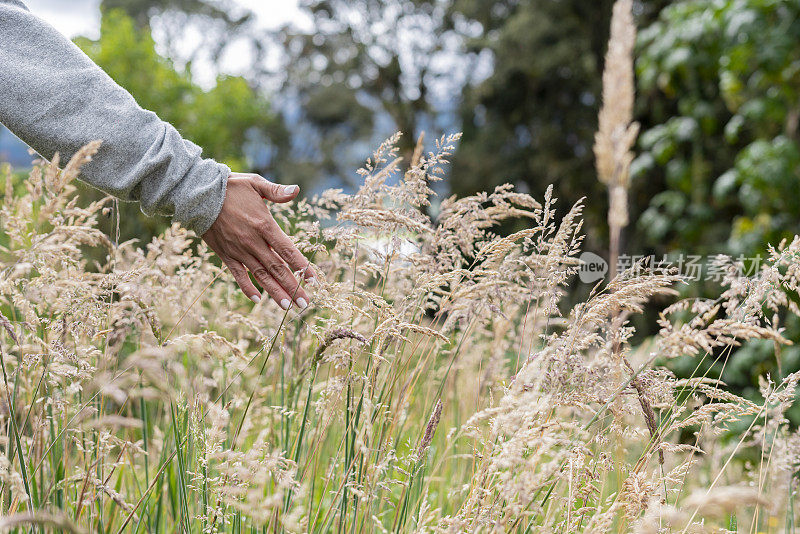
(201, 194)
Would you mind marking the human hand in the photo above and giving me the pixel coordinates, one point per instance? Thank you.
(246, 237)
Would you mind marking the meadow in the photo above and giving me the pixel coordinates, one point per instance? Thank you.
(440, 381)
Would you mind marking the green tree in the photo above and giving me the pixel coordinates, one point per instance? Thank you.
(719, 167)
(532, 121)
(220, 23)
(367, 66)
(720, 163)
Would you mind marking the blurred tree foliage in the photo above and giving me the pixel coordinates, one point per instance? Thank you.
(521, 78)
(719, 164)
(223, 120)
(219, 23)
(720, 84)
(141, 11)
(532, 121)
(366, 63)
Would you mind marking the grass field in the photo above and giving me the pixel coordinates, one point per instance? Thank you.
(438, 382)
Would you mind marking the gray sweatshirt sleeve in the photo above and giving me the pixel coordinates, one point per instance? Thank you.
(53, 97)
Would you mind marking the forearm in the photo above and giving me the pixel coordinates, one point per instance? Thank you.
(56, 99)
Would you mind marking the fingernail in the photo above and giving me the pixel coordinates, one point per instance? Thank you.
(290, 189)
(301, 303)
(285, 303)
(255, 298)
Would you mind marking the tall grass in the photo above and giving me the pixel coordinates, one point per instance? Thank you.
(438, 382)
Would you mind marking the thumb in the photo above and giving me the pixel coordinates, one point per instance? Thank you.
(272, 191)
